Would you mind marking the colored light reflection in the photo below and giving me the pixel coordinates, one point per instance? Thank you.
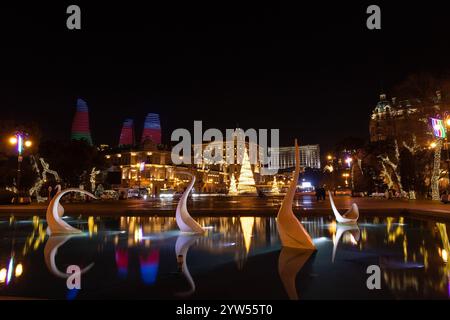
(149, 267)
(122, 262)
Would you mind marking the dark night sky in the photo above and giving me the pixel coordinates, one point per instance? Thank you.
(313, 71)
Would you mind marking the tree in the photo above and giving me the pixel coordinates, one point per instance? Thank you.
(73, 160)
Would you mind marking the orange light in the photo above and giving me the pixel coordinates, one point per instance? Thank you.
(13, 140)
(28, 143)
(447, 122)
(433, 145)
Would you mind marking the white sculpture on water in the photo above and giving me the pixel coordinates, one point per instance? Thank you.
(341, 229)
(184, 242)
(291, 231)
(55, 212)
(50, 252)
(184, 220)
(349, 217)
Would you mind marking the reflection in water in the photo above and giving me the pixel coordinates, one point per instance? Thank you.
(351, 234)
(247, 224)
(413, 254)
(184, 242)
(290, 262)
(149, 266)
(51, 250)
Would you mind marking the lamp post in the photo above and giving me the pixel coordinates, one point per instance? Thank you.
(20, 139)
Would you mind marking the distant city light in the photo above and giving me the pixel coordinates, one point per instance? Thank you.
(438, 128)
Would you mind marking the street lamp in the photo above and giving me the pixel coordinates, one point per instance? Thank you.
(20, 139)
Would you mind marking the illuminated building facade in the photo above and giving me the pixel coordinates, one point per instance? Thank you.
(402, 119)
(284, 157)
(80, 124)
(152, 129)
(127, 133)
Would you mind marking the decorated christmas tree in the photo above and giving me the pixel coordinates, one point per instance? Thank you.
(233, 188)
(246, 181)
(275, 189)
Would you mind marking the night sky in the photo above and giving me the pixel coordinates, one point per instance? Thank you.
(314, 71)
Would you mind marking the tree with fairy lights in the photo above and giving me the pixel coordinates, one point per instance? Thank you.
(233, 187)
(246, 181)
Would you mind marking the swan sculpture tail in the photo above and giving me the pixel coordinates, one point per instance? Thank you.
(291, 231)
(350, 216)
(184, 220)
(55, 211)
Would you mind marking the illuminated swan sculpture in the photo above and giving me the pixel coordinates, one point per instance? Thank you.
(349, 217)
(55, 211)
(292, 233)
(181, 250)
(342, 229)
(184, 220)
(50, 252)
(290, 262)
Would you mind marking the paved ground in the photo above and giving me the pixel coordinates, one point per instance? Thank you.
(304, 205)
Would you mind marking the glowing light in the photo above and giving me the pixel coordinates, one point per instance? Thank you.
(3, 275)
(13, 140)
(19, 144)
(127, 133)
(348, 161)
(10, 269)
(247, 224)
(28, 143)
(433, 145)
(152, 128)
(233, 189)
(438, 128)
(246, 181)
(275, 189)
(19, 270)
(447, 122)
(444, 255)
(329, 157)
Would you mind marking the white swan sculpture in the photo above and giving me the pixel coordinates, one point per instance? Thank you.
(50, 252)
(181, 250)
(342, 229)
(349, 217)
(184, 220)
(291, 231)
(55, 211)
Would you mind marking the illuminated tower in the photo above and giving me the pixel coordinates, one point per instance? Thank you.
(80, 124)
(152, 128)
(246, 183)
(127, 133)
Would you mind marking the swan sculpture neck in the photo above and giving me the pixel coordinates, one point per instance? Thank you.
(292, 233)
(50, 252)
(184, 220)
(54, 213)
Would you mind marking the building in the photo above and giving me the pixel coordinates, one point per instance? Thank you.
(80, 124)
(404, 119)
(283, 158)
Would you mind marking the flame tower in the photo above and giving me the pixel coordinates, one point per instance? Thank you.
(127, 133)
(152, 128)
(80, 124)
